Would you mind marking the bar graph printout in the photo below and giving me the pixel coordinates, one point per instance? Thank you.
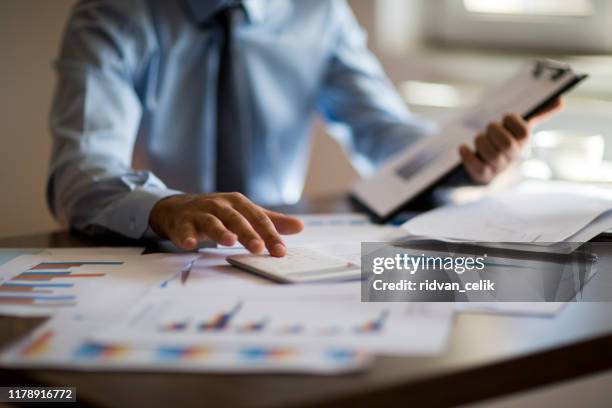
(311, 315)
(41, 284)
(62, 343)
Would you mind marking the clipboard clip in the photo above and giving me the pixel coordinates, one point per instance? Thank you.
(556, 69)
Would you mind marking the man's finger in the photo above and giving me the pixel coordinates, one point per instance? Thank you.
(478, 171)
(239, 225)
(503, 140)
(285, 224)
(489, 153)
(185, 236)
(264, 227)
(517, 126)
(214, 229)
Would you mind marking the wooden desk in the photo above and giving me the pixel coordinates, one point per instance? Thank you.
(487, 356)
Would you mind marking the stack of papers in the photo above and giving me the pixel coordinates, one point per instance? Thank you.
(114, 309)
(521, 216)
(87, 290)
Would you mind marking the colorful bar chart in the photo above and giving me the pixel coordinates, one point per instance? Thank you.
(175, 326)
(39, 300)
(46, 271)
(342, 354)
(46, 275)
(37, 286)
(252, 327)
(221, 320)
(95, 351)
(33, 287)
(39, 345)
(374, 325)
(68, 265)
(265, 353)
(182, 353)
(66, 344)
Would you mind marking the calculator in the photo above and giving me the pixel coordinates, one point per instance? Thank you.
(299, 265)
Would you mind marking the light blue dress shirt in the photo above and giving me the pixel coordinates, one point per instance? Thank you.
(133, 118)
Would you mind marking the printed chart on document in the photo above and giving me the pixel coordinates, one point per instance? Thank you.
(41, 284)
(44, 283)
(375, 327)
(62, 342)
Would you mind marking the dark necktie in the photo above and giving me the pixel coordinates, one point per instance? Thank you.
(232, 140)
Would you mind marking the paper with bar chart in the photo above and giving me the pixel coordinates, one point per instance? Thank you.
(7, 254)
(61, 343)
(273, 316)
(40, 284)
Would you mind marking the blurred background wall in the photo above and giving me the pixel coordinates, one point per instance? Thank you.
(30, 31)
(439, 53)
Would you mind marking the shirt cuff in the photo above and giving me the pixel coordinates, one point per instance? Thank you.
(130, 217)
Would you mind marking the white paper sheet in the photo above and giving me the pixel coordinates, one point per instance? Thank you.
(62, 343)
(87, 282)
(86, 251)
(343, 234)
(303, 315)
(7, 254)
(531, 309)
(334, 219)
(515, 216)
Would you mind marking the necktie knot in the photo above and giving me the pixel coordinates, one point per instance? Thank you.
(205, 11)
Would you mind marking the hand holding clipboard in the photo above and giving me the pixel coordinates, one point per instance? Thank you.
(532, 91)
(501, 143)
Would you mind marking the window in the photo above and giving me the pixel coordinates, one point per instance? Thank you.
(568, 26)
(531, 8)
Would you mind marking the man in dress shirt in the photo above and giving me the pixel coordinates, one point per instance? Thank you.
(169, 114)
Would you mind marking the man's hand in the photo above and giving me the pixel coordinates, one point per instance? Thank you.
(224, 218)
(501, 144)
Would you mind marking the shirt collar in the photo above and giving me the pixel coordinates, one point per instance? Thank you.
(202, 10)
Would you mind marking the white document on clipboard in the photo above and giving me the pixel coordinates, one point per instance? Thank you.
(426, 162)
